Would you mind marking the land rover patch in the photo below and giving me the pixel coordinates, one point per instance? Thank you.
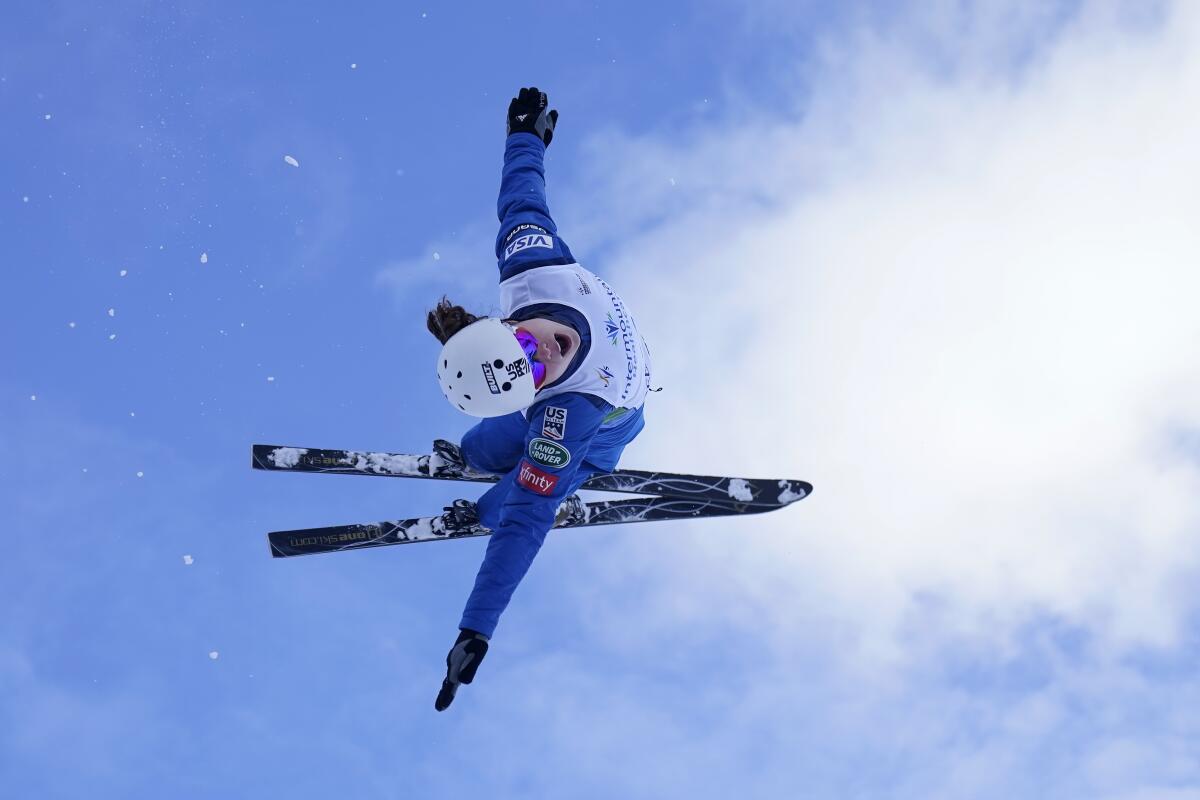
(549, 454)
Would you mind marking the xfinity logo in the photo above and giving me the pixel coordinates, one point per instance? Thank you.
(535, 480)
(529, 240)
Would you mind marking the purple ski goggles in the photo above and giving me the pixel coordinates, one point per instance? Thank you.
(529, 344)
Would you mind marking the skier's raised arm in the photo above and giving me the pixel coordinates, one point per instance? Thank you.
(528, 236)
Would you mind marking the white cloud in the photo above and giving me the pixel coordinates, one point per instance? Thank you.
(958, 295)
(967, 315)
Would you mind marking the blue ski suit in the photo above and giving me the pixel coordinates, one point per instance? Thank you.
(576, 427)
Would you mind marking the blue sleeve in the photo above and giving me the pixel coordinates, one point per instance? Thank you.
(528, 236)
(560, 432)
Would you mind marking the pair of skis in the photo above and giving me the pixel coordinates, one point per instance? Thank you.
(673, 496)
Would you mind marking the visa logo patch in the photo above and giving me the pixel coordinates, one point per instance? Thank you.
(527, 241)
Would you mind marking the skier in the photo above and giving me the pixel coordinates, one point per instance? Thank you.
(560, 380)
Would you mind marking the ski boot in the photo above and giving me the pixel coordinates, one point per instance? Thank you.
(572, 511)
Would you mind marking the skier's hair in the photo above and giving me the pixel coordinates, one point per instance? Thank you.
(448, 319)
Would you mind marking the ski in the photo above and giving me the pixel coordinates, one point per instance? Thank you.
(765, 492)
(573, 513)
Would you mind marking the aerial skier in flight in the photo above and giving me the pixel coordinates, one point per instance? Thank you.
(560, 379)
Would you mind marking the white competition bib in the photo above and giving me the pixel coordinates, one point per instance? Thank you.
(617, 367)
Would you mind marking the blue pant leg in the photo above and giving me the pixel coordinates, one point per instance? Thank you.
(490, 502)
(496, 443)
(605, 450)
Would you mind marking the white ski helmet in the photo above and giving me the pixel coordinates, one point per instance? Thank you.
(484, 372)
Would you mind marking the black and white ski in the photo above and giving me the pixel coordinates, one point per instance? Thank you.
(573, 513)
(766, 492)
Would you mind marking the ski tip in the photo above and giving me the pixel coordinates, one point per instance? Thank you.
(258, 455)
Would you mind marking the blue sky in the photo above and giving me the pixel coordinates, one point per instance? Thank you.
(939, 262)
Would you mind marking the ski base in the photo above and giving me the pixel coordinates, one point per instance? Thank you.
(573, 513)
(769, 492)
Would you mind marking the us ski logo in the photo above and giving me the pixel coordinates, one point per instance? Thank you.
(554, 423)
(517, 368)
(604, 374)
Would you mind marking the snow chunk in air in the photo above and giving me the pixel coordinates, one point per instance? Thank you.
(291, 161)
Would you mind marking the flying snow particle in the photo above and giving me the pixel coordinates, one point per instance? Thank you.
(25, 199)
(187, 560)
(47, 116)
(112, 336)
(33, 397)
(291, 161)
(214, 655)
(672, 180)
(354, 66)
(437, 256)
(140, 473)
(123, 273)
(132, 414)
(70, 324)
(204, 258)
(270, 379)
(112, 312)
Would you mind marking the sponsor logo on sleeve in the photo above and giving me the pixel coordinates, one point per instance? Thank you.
(526, 227)
(554, 423)
(605, 374)
(527, 242)
(549, 454)
(535, 480)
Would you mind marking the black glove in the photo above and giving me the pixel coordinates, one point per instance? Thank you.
(461, 663)
(527, 114)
